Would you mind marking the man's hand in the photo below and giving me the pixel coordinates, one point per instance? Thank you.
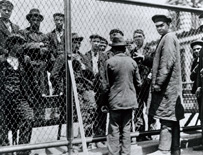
(139, 56)
(156, 88)
(198, 92)
(201, 73)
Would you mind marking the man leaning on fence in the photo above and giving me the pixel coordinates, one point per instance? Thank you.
(6, 26)
(166, 88)
(36, 48)
(121, 80)
(16, 112)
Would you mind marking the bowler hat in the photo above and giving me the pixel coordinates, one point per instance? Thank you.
(93, 36)
(6, 3)
(34, 12)
(164, 18)
(14, 38)
(75, 36)
(58, 14)
(116, 31)
(196, 42)
(118, 41)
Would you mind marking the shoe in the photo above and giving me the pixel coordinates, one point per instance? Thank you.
(198, 148)
(176, 152)
(158, 152)
(100, 145)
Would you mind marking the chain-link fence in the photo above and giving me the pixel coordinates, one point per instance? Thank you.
(33, 66)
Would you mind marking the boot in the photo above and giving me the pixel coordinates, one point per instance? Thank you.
(176, 152)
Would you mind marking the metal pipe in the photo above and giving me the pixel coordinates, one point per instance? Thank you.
(79, 141)
(161, 6)
(67, 53)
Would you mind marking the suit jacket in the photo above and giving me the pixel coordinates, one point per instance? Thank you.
(121, 79)
(56, 47)
(97, 79)
(5, 33)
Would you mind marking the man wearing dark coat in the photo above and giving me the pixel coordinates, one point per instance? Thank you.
(196, 78)
(6, 26)
(15, 110)
(121, 82)
(57, 36)
(166, 89)
(143, 55)
(36, 48)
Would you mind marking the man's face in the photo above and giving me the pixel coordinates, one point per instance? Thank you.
(76, 45)
(59, 21)
(138, 39)
(95, 42)
(115, 34)
(162, 27)
(35, 21)
(131, 46)
(6, 12)
(103, 45)
(196, 49)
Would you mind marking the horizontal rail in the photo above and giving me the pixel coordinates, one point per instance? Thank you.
(161, 6)
(16, 148)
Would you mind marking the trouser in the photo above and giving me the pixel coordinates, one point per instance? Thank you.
(169, 135)
(99, 126)
(17, 115)
(200, 114)
(118, 138)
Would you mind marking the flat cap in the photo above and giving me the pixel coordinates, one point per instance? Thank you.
(196, 42)
(164, 18)
(93, 36)
(116, 31)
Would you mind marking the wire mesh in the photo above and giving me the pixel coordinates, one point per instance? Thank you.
(33, 68)
(100, 17)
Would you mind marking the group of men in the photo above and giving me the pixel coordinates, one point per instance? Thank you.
(120, 80)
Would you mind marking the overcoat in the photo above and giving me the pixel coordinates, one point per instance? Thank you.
(4, 34)
(166, 73)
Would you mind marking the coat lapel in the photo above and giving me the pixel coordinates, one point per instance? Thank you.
(3, 28)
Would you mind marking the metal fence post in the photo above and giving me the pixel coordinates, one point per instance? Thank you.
(68, 51)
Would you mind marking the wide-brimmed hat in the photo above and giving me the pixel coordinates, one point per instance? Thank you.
(75, 36)
(164, 18)
(7, 4)
(13, 39)
(58, 14)
(196, 42)
(116, 31)
(118, 41)
(34, 12)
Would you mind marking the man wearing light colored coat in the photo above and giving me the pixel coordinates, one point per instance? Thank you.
(166, 88)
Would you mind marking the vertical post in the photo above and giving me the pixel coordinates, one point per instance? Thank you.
(68, 52)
